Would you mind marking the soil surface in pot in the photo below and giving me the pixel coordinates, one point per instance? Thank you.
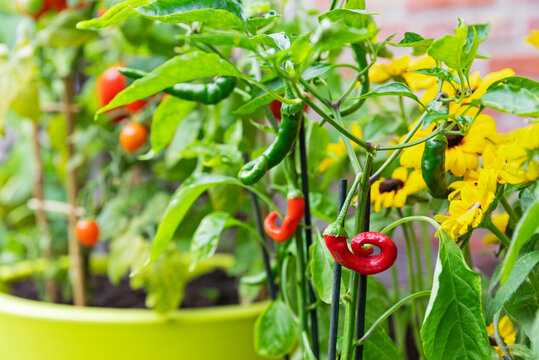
(213, 289)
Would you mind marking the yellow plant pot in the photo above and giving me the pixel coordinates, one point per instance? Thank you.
(32, 330)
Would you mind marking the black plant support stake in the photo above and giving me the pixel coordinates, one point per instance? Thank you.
(362, 300)
(336, 291)
(308, 233)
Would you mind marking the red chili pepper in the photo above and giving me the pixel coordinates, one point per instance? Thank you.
(296, 209)
(361, 259)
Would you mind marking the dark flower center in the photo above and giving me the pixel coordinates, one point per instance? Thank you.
(453, 140)
(391, 185)
(492, 340)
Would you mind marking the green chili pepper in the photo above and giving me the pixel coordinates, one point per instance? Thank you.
(211, 93)
(288, 132)
(433, 166)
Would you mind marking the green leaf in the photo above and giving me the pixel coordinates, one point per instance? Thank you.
(415, 41)
(179, 69)
(449, 48)
(353, 18)
(514, 95)
(61, 32)
(234, 39)
(181, 202)
(454, 321)
(322, 270)
(229, 12)
(113, 16)
(523, 306)
(526, 227)
(469, 51)
(482, 31)
(535, 338)
(261, 20)
(519, 273)
(307, 351)
(275, 331)
(437, 72)
(277, 85)
(206, 237)
(168, 115)
(330, 35)
(397, 88)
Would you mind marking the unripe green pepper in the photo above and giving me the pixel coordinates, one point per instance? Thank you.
(433, 166)
(288, 132)
(209, 94)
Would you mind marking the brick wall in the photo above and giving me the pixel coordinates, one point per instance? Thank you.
(511, 21)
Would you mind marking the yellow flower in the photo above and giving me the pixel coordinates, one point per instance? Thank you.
(478, 85)
(336, 150)
(533, 38)
(500, 221)
(463, 151)
(468, 205)
(507, 332)
(399, 68)
(516, 155)
(394, 191)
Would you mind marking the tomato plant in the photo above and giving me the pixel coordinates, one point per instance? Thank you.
(87, 232)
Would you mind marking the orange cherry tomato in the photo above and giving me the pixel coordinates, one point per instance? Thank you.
(109, 84)
(133, 137)
(87, 232)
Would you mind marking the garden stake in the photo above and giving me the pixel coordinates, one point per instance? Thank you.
(336, 291)
(308, 233)
(360, 324)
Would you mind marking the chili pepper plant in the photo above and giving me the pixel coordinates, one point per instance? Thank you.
(310, 117)
(419, 141)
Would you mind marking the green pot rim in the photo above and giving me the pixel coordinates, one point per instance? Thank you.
(10, 304)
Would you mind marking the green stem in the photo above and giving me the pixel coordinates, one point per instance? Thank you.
(301, 288)
(498, 337)
(351, 303)
(330, 120)
(413, 143)
(512, 214)
(397, 152)
(493, 229)
(348, 200)
(388, 313)
(400, 332)
(347, 144)
(427, 249)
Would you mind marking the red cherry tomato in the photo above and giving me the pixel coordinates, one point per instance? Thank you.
(109, 84)
(275, 107)
(133, 137)
(36, 8)
(87, 232)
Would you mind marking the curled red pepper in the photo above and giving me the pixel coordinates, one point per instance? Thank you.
(296, 209)
(361, 259)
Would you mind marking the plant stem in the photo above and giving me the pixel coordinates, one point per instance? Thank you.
(41, 217)
(499, 234)
(499, 339)
(427, 250)
(308, 232)
(397, 320)
(351, 303)
(336, 290)
(78, 277)
(397, 152)
(347, 144)
(513, 217)
(301, 283)
(390, 311)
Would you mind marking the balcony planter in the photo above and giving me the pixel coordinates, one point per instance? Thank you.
(36, 330)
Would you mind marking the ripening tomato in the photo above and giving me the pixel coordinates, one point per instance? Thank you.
(87, 232)
(109, 84)
(275, 107)
(36, 8)
(133, 137)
